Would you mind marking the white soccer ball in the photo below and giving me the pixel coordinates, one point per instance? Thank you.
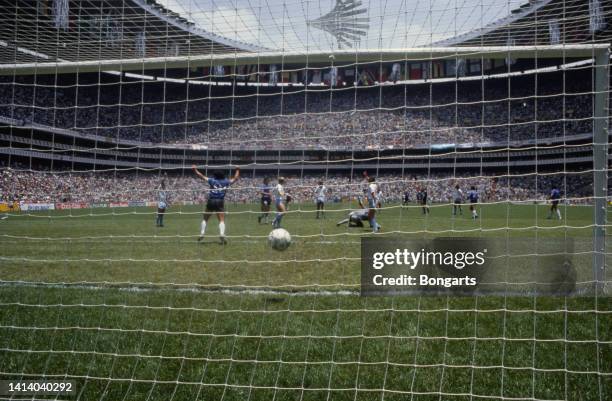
(279, 239)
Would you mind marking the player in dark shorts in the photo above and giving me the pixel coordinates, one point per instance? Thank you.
(280, 202)
(406, 198)
(320, 194)
(266, 200)
(216, 200)
(372, 191)
(162, 204)
(422, 199)
(457, 200)
(555, 196)
(473, 197)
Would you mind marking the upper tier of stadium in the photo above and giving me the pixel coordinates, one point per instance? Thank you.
(503, 110)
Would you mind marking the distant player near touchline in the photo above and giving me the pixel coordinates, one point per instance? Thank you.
(162, 204)
(372, 196)
(473, 197)
(555, 196)
(279, 201)
(320, 192)
(266, 200)
(422, 199)
(216, 200)
(406, 198)
(379, 201)
(457, 200)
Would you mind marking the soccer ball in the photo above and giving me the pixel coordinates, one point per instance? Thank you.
(279, 239)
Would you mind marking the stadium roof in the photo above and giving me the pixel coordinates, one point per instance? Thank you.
(327, 25)
(87, 30)
(101, 29)
(544, 22)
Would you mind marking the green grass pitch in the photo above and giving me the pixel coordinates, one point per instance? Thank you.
(135, 312)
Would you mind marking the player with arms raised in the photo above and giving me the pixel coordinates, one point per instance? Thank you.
(162, 204)
(373, 202)
(320, 192)
(216, 200)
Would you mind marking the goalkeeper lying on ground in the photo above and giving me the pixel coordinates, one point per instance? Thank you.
(356, 217)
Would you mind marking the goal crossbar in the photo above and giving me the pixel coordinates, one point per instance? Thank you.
(278, 57)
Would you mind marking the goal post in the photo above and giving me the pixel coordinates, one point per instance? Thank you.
(598, 53)
(600, 164)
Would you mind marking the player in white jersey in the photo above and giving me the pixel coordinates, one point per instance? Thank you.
(320, 193)
(457, 200)
(279, 201)
(372, 197)
(162, 204)
(379, 197)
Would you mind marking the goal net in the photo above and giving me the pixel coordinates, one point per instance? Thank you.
(148, 149)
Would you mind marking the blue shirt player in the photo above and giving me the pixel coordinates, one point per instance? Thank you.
(266, 200)
(216, 200)
(473, 198)
(555, 196)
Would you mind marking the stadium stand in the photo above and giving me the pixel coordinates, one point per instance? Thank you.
(345, 118)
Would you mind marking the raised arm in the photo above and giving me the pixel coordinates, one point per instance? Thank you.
(236, 176)
(195, 170)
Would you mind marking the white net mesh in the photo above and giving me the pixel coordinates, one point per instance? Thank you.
(109, 278)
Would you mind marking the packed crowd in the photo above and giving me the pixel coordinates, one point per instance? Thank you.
(354, 118)
(113, 186)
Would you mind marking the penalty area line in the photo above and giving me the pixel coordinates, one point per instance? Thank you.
(187, 289)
